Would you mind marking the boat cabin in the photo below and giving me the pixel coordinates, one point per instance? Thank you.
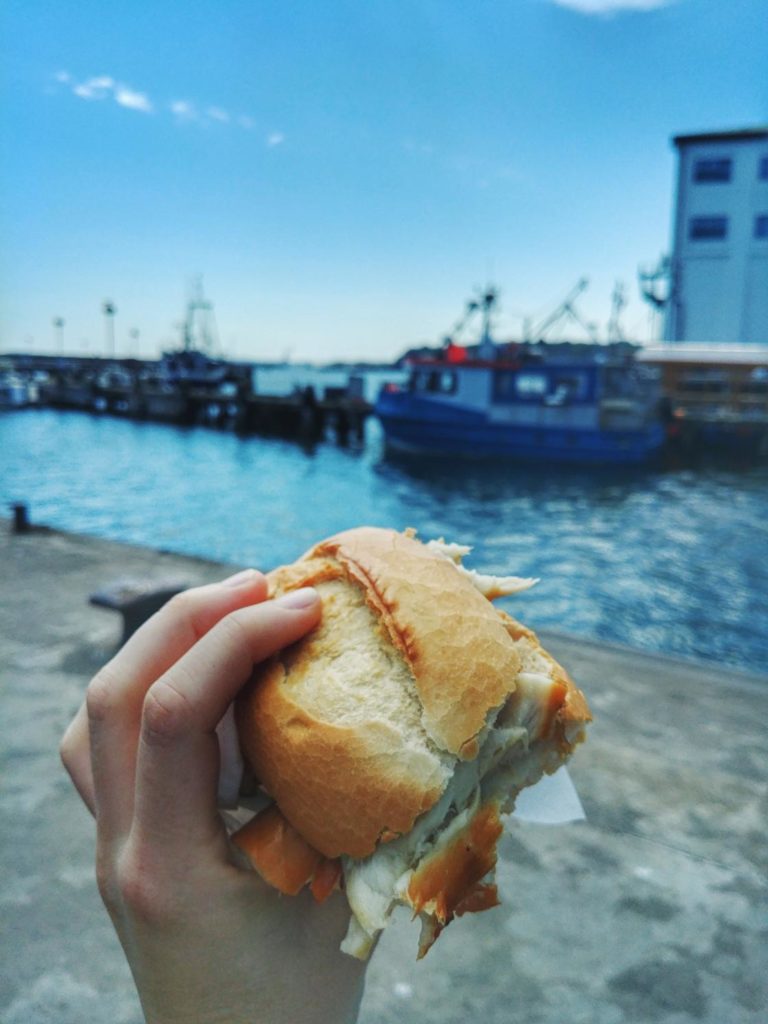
(580, 392)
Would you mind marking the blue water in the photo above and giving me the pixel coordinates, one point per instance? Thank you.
(672, 560)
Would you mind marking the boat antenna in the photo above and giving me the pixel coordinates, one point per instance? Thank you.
(199, 326)
(483, 303)
(488, 301)
(618, 302)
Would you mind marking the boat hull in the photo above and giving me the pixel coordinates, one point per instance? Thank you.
(421, 428)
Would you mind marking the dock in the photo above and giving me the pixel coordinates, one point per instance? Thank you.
(652, 911)
(217, 394)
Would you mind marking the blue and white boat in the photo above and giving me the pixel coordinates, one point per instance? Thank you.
(16, 392)
(556, 405)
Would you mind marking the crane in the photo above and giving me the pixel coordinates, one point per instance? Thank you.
(655, 284)
(566, 310)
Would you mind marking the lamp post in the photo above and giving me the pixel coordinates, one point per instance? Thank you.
(58, 323)
(134, 335)
(108, 309)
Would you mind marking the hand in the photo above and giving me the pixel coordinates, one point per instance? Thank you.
(207, 941)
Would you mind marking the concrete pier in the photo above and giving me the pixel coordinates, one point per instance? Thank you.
(653, 911)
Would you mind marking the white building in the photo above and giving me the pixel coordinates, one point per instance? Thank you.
(719, 261)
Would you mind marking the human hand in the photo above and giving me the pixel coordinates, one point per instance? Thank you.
(207, 941)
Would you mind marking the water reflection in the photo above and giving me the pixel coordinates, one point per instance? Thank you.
(664, 558)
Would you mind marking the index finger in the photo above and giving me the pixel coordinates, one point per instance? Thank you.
(100, 755)
(177, 768)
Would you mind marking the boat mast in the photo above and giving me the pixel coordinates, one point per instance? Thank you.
(487, 348)
(200, 315)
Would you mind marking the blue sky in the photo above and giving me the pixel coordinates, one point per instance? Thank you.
(345, 174)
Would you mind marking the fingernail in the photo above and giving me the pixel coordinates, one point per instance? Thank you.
(302, 598)
(240, 578)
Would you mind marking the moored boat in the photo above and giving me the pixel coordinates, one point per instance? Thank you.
(588, 404)
(15, 391)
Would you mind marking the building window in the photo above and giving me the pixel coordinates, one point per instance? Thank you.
(762, 168)
(761, 225)
(757, 382)
(706, 382)
(718, 170)
(703, 229)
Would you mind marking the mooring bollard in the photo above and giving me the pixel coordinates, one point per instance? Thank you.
(20, 517)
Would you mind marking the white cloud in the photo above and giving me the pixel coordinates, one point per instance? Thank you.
(184, 110)
(275, 139)
(97, 88)
(612, 6)
(133, 100)
(101, 87)
(217, 114)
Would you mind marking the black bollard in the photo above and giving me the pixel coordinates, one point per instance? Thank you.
(20, 517)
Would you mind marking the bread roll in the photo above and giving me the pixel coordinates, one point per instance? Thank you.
(393, 735)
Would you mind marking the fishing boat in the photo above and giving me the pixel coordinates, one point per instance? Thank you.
(567, 403)
(15, 391)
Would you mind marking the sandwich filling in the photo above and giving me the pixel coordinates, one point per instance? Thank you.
(517, 747)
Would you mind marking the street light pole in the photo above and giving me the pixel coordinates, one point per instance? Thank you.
(58, 323)
(108, 308)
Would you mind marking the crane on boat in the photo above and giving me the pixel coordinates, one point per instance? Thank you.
(566, 310)
(483, 304)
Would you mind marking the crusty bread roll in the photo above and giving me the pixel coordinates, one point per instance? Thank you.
(392, 736)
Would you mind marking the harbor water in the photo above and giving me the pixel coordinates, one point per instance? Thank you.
(671, 559)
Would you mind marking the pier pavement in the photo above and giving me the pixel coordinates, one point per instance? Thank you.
(652, 911)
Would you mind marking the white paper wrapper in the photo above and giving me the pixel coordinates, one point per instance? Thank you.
(552, 801)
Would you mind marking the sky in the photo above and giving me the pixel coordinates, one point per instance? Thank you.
(345, 175)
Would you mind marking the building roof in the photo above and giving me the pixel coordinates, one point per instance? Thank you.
(715, 354)
(734, 135)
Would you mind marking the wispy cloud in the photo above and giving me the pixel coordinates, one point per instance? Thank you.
(217, 114)
(186, 110)
(133, 100)
(105, 87)
(98, 88)
(183, 110)
(608, 7)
